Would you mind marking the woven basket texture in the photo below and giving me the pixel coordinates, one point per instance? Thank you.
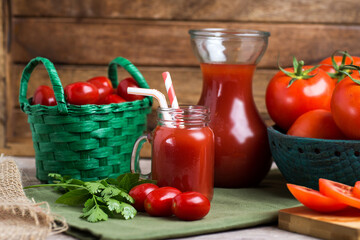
(303, 161)
(87, 142)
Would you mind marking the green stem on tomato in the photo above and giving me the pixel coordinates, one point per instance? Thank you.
(298, 73)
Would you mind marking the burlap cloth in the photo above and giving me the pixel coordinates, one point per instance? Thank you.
(21, 218)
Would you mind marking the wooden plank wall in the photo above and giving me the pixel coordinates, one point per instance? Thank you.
(82, 36)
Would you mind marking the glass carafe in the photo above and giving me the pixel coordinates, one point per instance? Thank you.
(228, 59)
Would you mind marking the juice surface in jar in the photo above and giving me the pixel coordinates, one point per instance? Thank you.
(242, 155)
(183, 157)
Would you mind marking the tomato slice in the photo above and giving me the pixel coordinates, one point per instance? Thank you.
(314, 199)
(356, 189)
(338, 191)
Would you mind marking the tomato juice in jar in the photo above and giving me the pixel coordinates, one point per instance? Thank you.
(183, 150)
(228, 60)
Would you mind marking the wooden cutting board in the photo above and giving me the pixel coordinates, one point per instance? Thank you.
(342, 225)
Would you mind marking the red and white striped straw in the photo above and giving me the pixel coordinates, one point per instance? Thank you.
(170, 90)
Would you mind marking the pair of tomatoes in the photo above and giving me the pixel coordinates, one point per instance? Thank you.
(332, 196)
(166, 201)
(303, 90)
(97, 90)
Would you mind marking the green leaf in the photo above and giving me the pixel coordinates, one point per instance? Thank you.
(107, 211)
(110, 192)
(127, 211)
(113, 205)
(112, 181)
(128, 180)
(66, 178)
(76, 182)
(117, 193)
(127, 197)
(74, 197)
(307, 71)
(104, 182)
(291, 81)
(95, 214)
(56, 176)
(100, 200)
(89, 204)
(357, 81)
(94, 187)
(295, 63)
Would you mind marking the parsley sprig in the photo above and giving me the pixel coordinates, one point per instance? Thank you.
(101, 199)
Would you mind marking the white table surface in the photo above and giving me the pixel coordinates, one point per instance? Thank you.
(27, 168)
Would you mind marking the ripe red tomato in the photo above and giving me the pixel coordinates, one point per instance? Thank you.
(81, 93)
(356, 189)
(345, 106)
(44, 95)
(336, 71)
(338, 191)
(314, 199)
(112, 98)
(286, 103)
(158, 203)
(122, 89)
(139, 193)
(190, 206)
(327, 64)
(317, 123)
(103, 85)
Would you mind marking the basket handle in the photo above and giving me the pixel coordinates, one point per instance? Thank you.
(55, 82)
(129, 67)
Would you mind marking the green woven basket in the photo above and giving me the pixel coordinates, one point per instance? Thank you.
(87, 142)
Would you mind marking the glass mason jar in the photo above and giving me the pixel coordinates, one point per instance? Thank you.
(228, 59)
(182, 150)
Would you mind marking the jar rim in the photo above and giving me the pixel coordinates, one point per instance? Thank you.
(228, 33)
(186, 115)
(185, 107)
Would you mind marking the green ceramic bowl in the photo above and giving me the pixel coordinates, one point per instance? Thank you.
(303, 161)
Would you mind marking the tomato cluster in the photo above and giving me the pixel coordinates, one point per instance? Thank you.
(332, 196)
(317, 101)
(97, 90)
(166, 201)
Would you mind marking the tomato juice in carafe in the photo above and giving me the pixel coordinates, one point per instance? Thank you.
(228, 61)
(242, 156)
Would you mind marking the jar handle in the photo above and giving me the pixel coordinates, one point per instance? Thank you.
(135, 156)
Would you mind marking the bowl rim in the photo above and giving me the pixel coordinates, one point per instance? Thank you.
(274, 130)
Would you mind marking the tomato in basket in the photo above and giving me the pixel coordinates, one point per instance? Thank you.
(44, 95)
(315, 200)
(122, 89)
(81, 93)
(112, 98)
(103, 85)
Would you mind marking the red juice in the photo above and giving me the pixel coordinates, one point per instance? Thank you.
(183, 157)
(242, 155)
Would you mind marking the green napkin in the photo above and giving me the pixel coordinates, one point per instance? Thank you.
(230, 209)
